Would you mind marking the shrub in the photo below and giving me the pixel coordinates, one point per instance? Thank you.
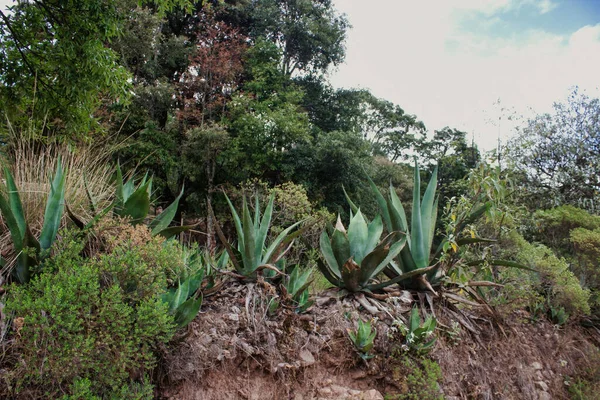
(99, 319)
(553, 279)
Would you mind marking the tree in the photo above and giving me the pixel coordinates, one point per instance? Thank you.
(309, 33)
(55, 66)
(558, 154)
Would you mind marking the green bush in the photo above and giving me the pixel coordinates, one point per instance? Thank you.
(554, 226)
(553, 279)
(98, 319)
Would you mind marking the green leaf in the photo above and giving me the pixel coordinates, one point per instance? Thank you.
(418, 235)
(502, 263)
(137, 205)
(375, 230)
(357, 237)
(165, 218)
(14, 203)
(251, 262)
(187, 311)
(341, 247)
(383, 254)
(329, 256)
(429, 212)
(353, 206)
(54, 208)
(171, 231)
(263, 229)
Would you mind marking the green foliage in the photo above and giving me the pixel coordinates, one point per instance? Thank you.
(296, 288)
(418, 334)
(363, 339)
(134, 202)
(554, 226)
(29, 251)
(419, 378)
(96, 319)
(354, 258)
(252, 253)
(414, 259)
(553, 279)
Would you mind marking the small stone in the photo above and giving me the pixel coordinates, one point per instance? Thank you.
(372, 395)
(536, 365)
(233, 317)
(544, 396)
(307, 357)
(542, 385)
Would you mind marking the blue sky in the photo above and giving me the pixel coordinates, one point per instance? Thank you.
(469, 64)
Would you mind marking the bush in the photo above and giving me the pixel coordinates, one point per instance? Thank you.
(554, 225)
(97, 319)
(553, 279)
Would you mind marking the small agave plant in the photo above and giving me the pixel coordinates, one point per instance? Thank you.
(363, 339)
(355, 257)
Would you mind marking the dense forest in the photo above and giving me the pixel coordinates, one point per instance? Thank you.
(158, 153)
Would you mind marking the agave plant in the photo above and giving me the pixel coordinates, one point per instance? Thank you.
(363, 339)
(252, 253)
(134, 202)
(184, 301)
(295, 288)
(354, 258)
(416, 255)
(29, 250)
(419, 336)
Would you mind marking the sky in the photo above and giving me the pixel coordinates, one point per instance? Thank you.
(470, 64)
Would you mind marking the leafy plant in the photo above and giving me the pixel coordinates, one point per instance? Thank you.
(296, 288)
(418, 335)
(354, 258)
(363, 338)
(29, 250)
(416, 255)
(91, 318)
(252, 253)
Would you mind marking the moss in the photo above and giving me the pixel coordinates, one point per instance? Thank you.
(419, 379)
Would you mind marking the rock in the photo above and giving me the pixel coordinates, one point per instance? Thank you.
(542, 385)
(337, 392)
(307, 357)
(544, 396)
(536, 365)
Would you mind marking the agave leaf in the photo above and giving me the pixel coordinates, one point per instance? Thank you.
(237, 222)
(329, 256)
(129, 189)
(383, 207)
(76, 220)
(395, 205)
(188, 311)
(14, 204)
(383, 254)
(418, 235)
(251, 262)
(358, 235)
(194, 282)
(429, 211)
(403, 277)
(54, 208)
(375, 229)
(281, 239)
(165, 218)
(263, 229)
(11, 221)
(415, 319)
(353, 206)
(171, 231)
(329, 274)
(137, 205)
(181, 295)
(341, 247)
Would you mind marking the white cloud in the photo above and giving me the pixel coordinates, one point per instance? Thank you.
(420, 58)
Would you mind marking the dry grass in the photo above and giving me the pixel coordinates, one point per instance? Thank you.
(32, 165)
